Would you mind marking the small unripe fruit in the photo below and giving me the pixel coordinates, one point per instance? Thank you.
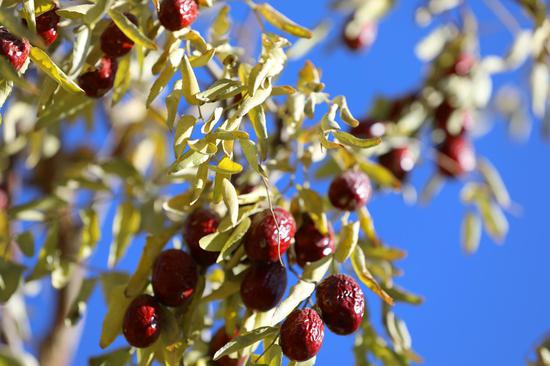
(369, 128)
(342, 303)
(16, 50)
(310, 244)
(219, 340)
(399, 161)
(142, 321)
(464, 63)
(350, 191)
(174, 277)
(46, 25)
(263, 285)
(456, 156)
(177, 14)
(97, 82)
(360, 37)
(198, 224)
(263, 242)
(302, 335)
(114, 42)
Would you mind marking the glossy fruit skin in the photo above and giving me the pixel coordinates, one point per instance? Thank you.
(368, 129)
(364, 39)
(399, 161)
(302, 334)
(350, 191)
(177, 14)
(114, 42)
(310, 244)
(142, 321)
(342, 303)
(198, 224)
(46, 25)
(263, 285)
(456, 156)
(219, 340)
(262, 240)
(16, 50)
(97, 82)
(442, 115)
(174, 277)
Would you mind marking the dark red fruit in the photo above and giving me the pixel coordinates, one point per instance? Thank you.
(262, 240)
(342, 303)
(399, 161)
(142, 321)
(263, 285)
(369, 128)
(97, 82)
(302, 334)
(310, 244)
(14, 49)
(177, 14)
(46, 25)
(362, 38)
(456, 156)
(199, 223)
(114, 42)
(174, 277)
(219, 340)
(350, 191)
(442, 116)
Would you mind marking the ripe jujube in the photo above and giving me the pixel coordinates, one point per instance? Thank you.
(98, 81)
(142, 321)
(341, 302)
(359, 37)
(302, 335)
(350, 190)
(456, 156)
(310, 244)
(177, 14)
(114, 42)
(399, 161)
(263, 285)
(369, 128)
(174, 277)
(198, 224)
(267, 240)
(16, 50)
(46, 25)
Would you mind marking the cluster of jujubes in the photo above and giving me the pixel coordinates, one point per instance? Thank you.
(173, 15)
(456, 155)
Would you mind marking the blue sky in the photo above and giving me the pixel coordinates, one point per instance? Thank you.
(486, 309)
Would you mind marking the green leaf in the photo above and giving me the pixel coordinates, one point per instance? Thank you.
(44, 63)
(493, 217)
(275, 18)
(7, 72)
(15, 26)
(400, 295)
(25, 241)
(350, 140)
(190, 84)
(49, 255)
(125, 225)
(313, 273)
(75, 12)
(221, 89)
(259, 123)
(190, 158)
(123, 78)
(11, 274)
(165, 76)
(78, 307)
(471, 232)
(117, 303)
(90, 232)
(130, 30)
(244, 340)
(349, 235)
(379, 174)
(494, 181)
(96, 12)
(236, 235)
(360, 266)
(117, 357)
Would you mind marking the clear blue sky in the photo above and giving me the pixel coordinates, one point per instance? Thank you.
(487, 309)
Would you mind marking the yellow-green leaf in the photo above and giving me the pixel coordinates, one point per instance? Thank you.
(44, 63)
(350, 140)
(130, 30)
(275, 18)
(471, 232)
(349, 235)
(360, 266)
(231, 200)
